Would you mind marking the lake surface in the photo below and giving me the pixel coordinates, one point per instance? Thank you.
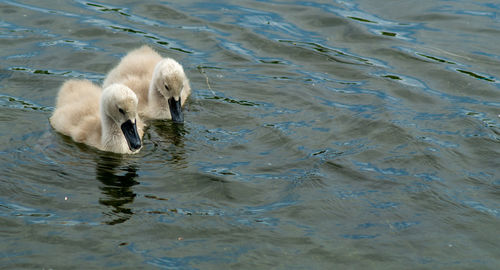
(319, 135)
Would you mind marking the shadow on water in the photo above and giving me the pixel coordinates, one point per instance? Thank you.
(117, 182)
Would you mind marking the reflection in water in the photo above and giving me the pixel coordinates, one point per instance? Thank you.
(116, 187)
(172, 134)
(118, 179)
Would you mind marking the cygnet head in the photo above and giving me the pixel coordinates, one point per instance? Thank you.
(119, 103)
(169, 80)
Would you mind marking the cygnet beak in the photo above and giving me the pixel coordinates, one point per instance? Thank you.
(176, 110)
(129, 130)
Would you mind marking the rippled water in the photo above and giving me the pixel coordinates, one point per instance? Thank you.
(320, 135)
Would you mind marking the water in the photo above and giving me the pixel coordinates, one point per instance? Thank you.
(320, 135)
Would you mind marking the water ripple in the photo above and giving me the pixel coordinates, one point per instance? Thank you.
(19, 103)
(62, 73)
(314, 128)
(114, 26)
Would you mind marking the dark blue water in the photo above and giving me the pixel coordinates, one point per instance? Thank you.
(319, 135)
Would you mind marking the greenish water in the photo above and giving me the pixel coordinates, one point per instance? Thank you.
(319, 135)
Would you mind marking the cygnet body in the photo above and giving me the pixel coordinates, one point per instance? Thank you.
(160, 83)
(105, 119)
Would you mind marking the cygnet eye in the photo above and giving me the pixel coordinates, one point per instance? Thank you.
(121, 111)
(166, 87)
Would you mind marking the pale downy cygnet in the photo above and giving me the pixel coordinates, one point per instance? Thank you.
(160, 83)
(105, 119)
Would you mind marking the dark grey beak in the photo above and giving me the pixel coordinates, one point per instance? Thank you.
(175, 110)
(129, 130)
